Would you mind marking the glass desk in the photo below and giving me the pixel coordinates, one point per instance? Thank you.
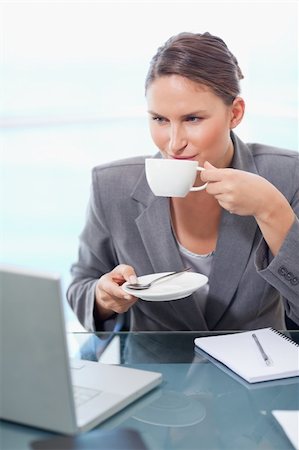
(198, 405)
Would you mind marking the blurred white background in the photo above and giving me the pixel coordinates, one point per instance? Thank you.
(72, 96)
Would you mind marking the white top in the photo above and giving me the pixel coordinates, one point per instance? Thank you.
(200, 264)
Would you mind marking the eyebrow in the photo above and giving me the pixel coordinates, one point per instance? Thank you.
(194, 113)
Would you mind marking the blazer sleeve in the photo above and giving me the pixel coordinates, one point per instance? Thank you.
(96, 257)
(282, 271)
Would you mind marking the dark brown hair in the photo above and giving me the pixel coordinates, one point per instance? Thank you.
(202, 58)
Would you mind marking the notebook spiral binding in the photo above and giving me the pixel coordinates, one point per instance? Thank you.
(287, 338)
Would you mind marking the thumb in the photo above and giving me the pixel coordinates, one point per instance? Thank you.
(125, 272)
(208, 165)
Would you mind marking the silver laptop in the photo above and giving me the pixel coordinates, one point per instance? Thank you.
(40, 385)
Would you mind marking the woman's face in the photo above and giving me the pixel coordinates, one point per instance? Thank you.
(188, 121)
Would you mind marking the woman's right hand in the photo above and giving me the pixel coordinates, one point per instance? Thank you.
(110, 297)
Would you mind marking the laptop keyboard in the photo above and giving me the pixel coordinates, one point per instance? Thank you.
(82, 394)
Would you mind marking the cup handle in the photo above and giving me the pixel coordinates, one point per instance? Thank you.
(199, 188)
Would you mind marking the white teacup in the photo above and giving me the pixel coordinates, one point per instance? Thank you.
(172, 177)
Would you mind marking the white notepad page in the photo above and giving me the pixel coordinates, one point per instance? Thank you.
(289, 421)
(241, 354)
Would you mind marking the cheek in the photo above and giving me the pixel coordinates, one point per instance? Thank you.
(158, 135)
(211, 134)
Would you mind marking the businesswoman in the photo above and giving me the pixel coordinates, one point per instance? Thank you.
(242, 231)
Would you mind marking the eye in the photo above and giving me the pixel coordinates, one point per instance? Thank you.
(193, 119)
(159, 119)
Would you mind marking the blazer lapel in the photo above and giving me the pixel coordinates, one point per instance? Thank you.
(235, 240)
(234, 245)
(155, 229)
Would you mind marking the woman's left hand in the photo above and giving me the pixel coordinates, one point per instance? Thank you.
(240, 192)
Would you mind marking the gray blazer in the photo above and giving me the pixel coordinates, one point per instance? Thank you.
(126, 223)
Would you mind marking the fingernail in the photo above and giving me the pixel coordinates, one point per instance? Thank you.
(127, 297)
(133, 279)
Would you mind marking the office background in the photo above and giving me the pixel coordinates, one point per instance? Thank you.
(72, 96)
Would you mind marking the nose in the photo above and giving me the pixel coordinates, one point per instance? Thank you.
(177, 139)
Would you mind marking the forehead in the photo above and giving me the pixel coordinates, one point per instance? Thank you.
(178, 92)
(176, 84)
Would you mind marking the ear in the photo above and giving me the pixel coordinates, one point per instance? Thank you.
(237, 112)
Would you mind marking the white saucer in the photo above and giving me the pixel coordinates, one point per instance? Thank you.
(173, 289)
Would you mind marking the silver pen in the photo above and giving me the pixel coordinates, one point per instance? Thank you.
(262, 351)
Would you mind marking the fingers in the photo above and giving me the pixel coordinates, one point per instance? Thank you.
(221, 185)
(110, 287)
(111, 282)
(208, 165)
(123, 273)
(220, 181)
(235, 190)
(109, 293)
(212, 174)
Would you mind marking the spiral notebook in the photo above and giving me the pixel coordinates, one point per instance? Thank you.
(269, 356)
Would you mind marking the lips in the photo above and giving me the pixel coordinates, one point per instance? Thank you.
(184, 158)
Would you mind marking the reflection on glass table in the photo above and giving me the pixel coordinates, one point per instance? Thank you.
(198, 402)
(198, 405)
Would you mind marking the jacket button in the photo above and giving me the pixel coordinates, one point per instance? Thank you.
(294, 281)
(289, 276)
(282, 271)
